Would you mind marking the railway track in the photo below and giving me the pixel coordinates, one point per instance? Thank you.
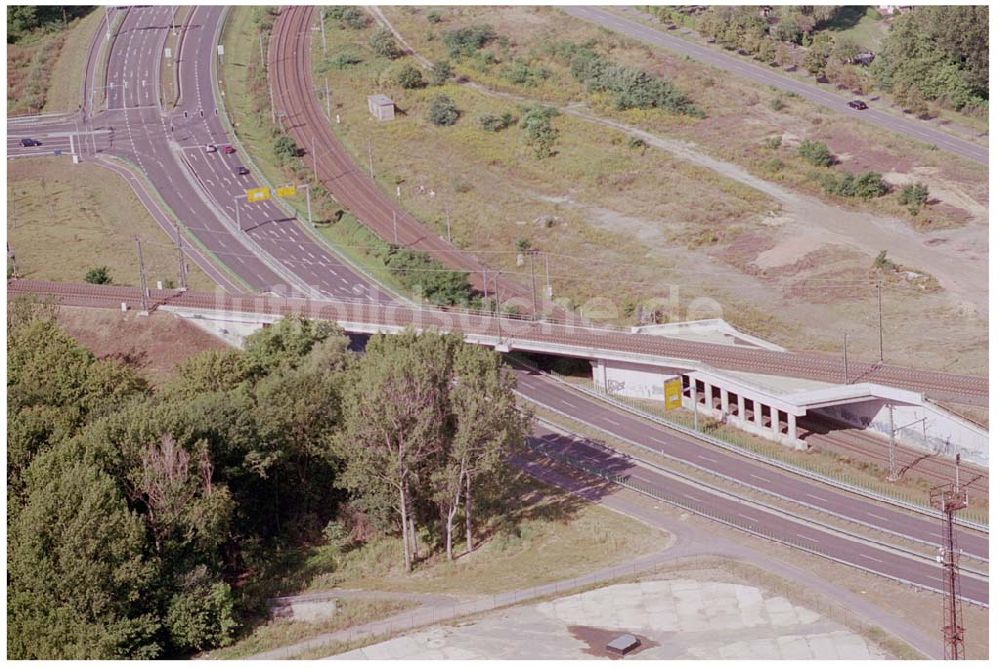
(828, 436)
(290, 71)
(963, 389)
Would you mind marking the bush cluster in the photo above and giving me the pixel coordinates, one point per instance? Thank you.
(632, 88)
(868, 185)
(466, 41)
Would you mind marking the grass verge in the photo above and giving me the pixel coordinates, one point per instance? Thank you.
(64, 219)
(66, 80)
(279, 633)
(256, 134)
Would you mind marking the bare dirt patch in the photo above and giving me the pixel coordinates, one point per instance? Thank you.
(597, 640)
(156, 344)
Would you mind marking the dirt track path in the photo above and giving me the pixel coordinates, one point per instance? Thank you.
(957, 258)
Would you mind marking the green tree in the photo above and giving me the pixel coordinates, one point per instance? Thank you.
(914, 196)
(285, 149)
(409, 76)
(442, 111)
(98, 276)
(539, 132)
(488, 428)
(395, 410)
(79, 574)
(383, 42)
(200, 615)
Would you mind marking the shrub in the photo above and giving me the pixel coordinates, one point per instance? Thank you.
(443, 111)
(523, 245)
(773, 143)
(440, 72)
(914, 196)
(870, 185)
(345, 60)
(865, 186)
(777, 104)
(815, 153)
(285, 148)
(434, 16)
(201, 615)
(632, 88)
(384, 44)
(522, 74)
(98, 276)
(772, 165)
(883, 263)
(349, 17)
(492, 123)
(636, 142)
(538, 130)
(409, 77)
(466, 41)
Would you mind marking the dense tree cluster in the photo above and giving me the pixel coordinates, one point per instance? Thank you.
(24, 19)
(937, 54)
(931, 54)
(425, 277)
(137, 517)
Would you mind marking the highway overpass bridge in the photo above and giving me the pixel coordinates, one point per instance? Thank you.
(761, 390)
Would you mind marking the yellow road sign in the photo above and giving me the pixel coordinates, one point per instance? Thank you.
(286, 191)
(258, 194)
(672, 394)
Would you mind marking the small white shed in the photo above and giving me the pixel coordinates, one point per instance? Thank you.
(381, 107)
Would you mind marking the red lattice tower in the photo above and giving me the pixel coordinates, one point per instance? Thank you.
(950, 499)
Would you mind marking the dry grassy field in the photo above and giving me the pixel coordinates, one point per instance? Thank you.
(63, 219)
(699, 211)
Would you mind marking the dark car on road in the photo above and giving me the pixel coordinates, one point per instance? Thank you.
(28, 141)
(857, 104)
(228, 149)
(242, 171)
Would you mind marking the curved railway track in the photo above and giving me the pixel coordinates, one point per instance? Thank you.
(289, 69)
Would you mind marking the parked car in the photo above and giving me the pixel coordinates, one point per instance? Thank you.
(857, 104)
(228, 148)
(242, 171)
(210, 148)
(28, 141)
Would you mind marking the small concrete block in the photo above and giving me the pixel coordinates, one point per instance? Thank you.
(623, 644)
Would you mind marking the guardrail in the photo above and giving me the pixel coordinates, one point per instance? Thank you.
(722, 518)
(747, 449)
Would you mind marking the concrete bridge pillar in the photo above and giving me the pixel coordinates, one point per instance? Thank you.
(758, 415)
(740, 409)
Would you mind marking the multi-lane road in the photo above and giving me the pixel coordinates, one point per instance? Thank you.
(912, 128)
(557, 396)
(274, 254)
(265, 249)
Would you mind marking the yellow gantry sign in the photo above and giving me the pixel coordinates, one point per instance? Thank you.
(672, 394)
(286, 191)
(258, 194)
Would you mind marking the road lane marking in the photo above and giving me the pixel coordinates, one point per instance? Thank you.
(884, 519)
(711, 459)
(760, 478)
(871, 558)
(747, 517)
(818, 498)
(812, 540)
(614, 422)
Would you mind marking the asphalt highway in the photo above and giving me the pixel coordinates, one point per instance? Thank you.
(540, 388)
(912, 128)
(841, 548)
(268, 251)
(559, 397)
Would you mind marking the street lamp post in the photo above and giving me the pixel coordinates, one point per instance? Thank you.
(309, 209)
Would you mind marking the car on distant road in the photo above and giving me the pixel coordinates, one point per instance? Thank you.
(242, 171)
(857, 104)
(28, 141)
(210, 148)
(228, 148)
